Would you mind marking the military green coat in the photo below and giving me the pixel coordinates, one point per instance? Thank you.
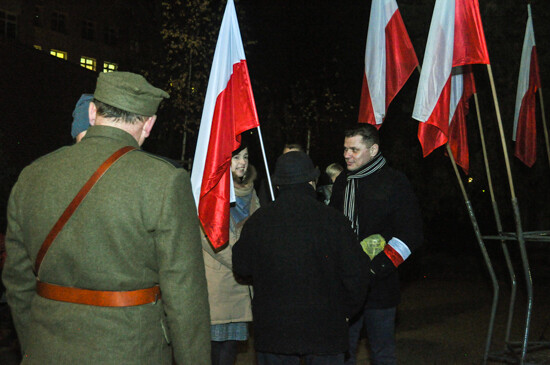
(136, 228)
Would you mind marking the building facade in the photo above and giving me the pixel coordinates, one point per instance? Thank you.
(100, 35)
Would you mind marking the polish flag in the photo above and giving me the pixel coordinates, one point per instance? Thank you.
(462, 88)
(525, 125)
(229, 110)
(456, 38)
(389, 61)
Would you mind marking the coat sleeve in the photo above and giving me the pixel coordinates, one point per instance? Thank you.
(181, 273)
(17, 274)
(353, 269)
(405, 234)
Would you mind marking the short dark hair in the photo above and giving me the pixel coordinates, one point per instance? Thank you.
(368, 132)
(109, 111)
(294, 147)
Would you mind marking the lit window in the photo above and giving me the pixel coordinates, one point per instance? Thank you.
(88, 30)
(58, 22)
(36, 46)
(58, 54)
(8, 25)
(88, 63)
(109, 67)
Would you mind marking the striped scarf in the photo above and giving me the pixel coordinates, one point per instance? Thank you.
(349, 198)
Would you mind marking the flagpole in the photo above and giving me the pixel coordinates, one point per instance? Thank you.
(519, 230)
(498, 222)
(483, 252)
(265, 162)
(544, 128)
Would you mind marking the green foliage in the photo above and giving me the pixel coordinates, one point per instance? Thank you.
(189, 30)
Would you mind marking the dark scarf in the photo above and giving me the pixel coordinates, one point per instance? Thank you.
(349, 197)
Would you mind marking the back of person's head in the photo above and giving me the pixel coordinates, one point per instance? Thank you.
(126, 97)
(294, 167)
(118, 115)
(368, 132)
(293, 147)
(333, 170)
(81, 120)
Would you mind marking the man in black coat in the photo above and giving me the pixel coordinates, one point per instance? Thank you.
(378, 201)
(308, 271)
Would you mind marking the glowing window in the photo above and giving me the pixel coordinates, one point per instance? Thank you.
(109, 66)
(58, 54)
(88, 63)
(36, 46)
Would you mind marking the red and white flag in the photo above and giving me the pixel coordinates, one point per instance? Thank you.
(229, 110)
(456, 38)
(389, 61)
(525, 124)
(462, 88)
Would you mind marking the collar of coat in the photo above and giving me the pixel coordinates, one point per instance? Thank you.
(103, 131)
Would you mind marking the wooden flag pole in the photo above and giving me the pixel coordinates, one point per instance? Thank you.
(517, 217)
(544, 127)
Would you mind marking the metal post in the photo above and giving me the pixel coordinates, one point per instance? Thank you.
(544, 127)
(498, 223)
(519, 230)
(265, 162)
(483, 252)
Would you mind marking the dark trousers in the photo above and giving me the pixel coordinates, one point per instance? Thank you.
(266, 358)
(380, 326)
(224, 352)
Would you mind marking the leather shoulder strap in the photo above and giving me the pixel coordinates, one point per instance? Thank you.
(76, 202)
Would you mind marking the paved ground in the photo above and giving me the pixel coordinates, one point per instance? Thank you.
(443, 318)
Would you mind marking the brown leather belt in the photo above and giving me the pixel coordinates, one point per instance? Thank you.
(100, 298)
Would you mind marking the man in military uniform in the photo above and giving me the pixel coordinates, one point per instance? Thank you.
(121, 280)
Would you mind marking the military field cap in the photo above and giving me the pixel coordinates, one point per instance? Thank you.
(294, 167)
(81, 120)
(129, 92)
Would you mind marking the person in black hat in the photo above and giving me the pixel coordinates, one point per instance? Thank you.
(307, 270)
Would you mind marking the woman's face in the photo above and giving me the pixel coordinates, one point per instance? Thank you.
(239, 163)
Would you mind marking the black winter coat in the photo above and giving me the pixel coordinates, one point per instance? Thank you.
(308, 273)
(386, 204)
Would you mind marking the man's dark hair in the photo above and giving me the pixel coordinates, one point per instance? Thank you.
(294, 146)
(368, 132)
(108, 111)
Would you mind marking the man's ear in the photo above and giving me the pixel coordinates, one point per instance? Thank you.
(148, 125)
(373, 150)
(92, 113)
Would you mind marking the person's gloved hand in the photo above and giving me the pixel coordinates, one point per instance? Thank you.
(373, 245)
